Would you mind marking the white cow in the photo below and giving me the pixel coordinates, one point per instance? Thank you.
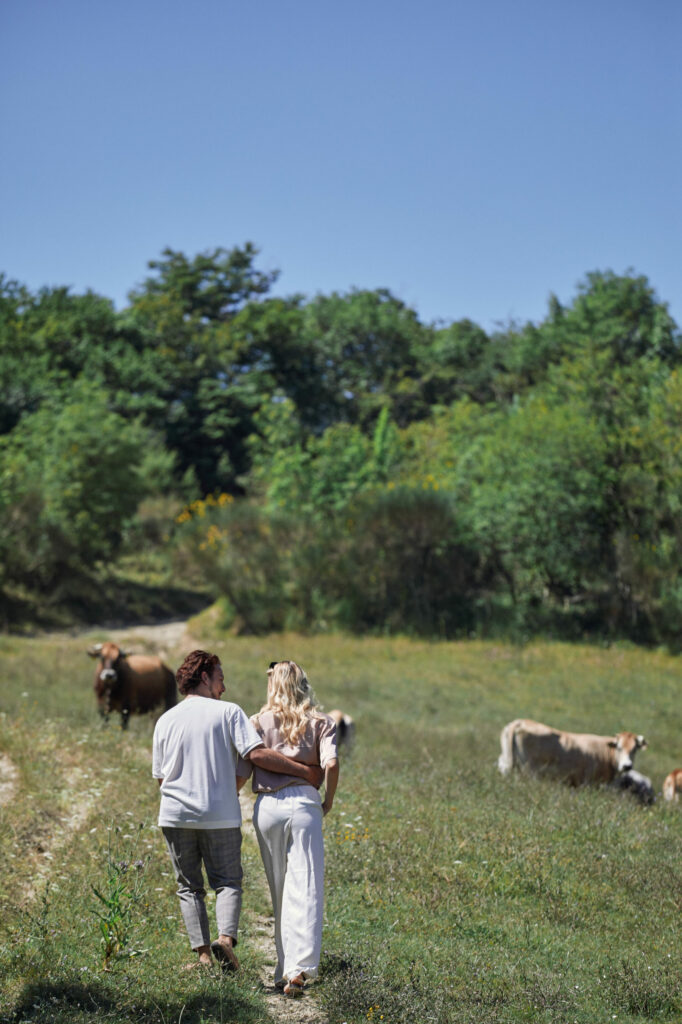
(575, 758)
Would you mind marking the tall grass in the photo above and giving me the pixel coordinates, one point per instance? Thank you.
(452, 895)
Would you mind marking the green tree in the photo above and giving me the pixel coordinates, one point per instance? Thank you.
(46, 341)
(365, 346)
(531, 484)
(538, 489)
(70, 480)
(301, 474)
(183, 314)
(209, 288)
(399, 562)
(457, 361)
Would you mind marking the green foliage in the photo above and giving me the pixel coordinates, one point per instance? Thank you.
(182, 317)
(365, 346)
(241, 553)
(46, 342)
(401, 565)
(556, 442)
(69, 483)
(210, 287)
(390, 560)
(619, 315)
(22, 373)
(537, 487)
(313, 476)
(458, 361)
(121, 892)
(82, 460)
(561, 483)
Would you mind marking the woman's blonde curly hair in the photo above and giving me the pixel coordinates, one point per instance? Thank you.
(291, 700)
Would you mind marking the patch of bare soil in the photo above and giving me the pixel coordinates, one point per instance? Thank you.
(8, 779)
(164, 639)
(280, 1007)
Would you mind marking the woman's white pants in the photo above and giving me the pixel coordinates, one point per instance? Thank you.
(289, 829)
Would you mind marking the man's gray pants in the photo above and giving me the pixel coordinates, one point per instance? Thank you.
(220, 851)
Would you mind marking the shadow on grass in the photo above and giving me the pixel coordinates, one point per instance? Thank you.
(216, 1002)
(357, 985)
(110, 602)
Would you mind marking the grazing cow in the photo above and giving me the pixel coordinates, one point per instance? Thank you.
(345, 729)
(637, 784)
(575, 758)
(672, 785)
(130, 682)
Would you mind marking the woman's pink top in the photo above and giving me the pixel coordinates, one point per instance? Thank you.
(316, 745)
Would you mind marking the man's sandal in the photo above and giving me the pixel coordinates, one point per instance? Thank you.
(225, 956)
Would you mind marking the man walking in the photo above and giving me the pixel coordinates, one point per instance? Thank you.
(195, 750)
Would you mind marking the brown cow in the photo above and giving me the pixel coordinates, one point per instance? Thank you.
(672, 785)
(345, 729)
(575, 758)
(130, 682)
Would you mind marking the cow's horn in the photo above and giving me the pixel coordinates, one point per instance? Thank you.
(94, 650)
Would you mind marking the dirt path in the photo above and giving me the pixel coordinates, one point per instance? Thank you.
(164, 638)
(8, 779)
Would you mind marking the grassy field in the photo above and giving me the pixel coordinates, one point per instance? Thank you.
(452, 895)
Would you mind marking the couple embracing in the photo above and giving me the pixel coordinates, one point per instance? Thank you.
(204, 751)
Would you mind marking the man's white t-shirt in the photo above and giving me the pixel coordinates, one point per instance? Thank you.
(195, 751)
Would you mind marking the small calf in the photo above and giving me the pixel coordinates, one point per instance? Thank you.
(672, 785)
(345, 729)
(637, 784)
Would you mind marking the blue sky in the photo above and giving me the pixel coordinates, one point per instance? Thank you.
(470, 157)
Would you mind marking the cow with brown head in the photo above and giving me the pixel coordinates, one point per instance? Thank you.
(130, 682)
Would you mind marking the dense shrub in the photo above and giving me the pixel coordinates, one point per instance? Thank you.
(401, 565)
(392, 560)
(68, 482)
(241, 553)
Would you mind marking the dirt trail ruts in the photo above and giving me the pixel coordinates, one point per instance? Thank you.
(59, 833)
(9, 775)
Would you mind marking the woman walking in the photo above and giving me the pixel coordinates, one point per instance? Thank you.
(288, 820)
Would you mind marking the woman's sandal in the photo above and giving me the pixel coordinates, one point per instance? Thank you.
(294, 988)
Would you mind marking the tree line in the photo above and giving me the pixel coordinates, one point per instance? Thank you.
(333, 461)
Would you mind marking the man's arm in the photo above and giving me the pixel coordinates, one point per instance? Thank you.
(273, 761)
(331, 778)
